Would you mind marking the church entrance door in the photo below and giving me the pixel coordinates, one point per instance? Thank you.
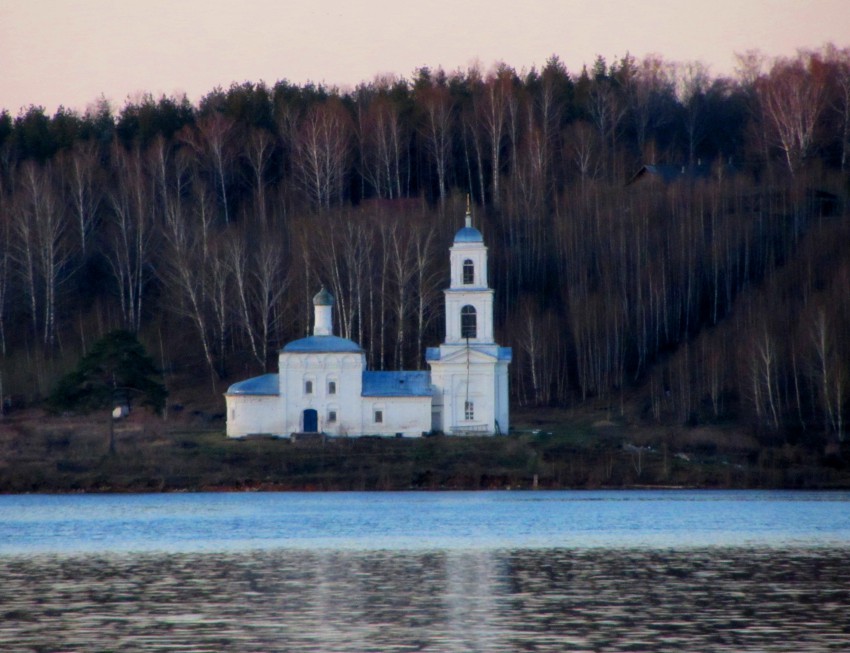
(311, 421)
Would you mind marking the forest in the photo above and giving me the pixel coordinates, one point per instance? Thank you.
(662, 242)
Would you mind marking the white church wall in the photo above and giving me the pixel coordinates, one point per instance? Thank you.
(469, 374)
(459, 253)
(502, 408)
(462, 388)
(344, 371)
(410, 416)
(254, 415)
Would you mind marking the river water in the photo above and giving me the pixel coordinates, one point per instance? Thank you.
(488, 571)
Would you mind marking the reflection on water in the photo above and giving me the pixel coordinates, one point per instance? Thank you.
(732, 599)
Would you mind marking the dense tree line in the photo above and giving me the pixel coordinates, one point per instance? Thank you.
(710, 285)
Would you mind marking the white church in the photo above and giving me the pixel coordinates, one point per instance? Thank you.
(323, 386)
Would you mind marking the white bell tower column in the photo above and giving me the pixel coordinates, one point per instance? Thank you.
(469, 302)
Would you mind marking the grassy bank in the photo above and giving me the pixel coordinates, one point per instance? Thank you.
(548, 449)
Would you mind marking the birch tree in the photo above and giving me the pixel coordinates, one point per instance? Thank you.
(607, 112)
(270, 284)
(322, 150)
(40, 224)
(237, 263)
(402, 272)
(839, 64)
(131, 203)
(436, 128)
(829, 373)
(258, 151)
(491, 101)
(186, 235)
(5, 256)
(81, 175)
(692, 83)
(792, 96)
(426, 277)
(382, 141)
(213, 144)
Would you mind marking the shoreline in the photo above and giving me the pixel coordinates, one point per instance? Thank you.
(550, 450)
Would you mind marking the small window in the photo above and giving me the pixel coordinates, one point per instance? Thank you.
(468, 322)
(331, 387)
(468, 410)
(379, 416)
(308, 387)
(331, 416)
(468, 272)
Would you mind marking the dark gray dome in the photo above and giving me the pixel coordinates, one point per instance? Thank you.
(323, 298)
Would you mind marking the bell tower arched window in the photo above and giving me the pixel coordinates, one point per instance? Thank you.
(468, 272)
(468, 322)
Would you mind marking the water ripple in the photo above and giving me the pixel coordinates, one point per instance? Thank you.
(712, 599)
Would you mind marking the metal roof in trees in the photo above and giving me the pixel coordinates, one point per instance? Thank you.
(671, 173)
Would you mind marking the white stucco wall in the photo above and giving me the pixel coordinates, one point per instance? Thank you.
(254, 415)
(452, 379)
(475, 252)
(410, 416)
(345, 370)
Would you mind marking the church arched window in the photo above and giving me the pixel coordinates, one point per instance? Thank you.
(468, 322)
(468, 272)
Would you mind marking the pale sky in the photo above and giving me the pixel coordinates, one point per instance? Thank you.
(70, 52)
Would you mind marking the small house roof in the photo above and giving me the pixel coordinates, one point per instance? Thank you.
(670, 173)
(396, 384)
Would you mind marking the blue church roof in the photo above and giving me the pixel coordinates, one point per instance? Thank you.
(314, 344)
(267, 384)
(469, 235)
(396, 384)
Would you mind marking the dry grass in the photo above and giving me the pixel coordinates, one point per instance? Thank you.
(562, 449)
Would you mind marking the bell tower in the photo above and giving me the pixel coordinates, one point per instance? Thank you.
(469, 301)
(469, 371)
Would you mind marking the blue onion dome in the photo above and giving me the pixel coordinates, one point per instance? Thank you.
(469, 234)
(323, 298)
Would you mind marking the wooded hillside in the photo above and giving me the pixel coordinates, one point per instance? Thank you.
(658, 237)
